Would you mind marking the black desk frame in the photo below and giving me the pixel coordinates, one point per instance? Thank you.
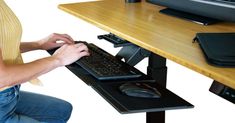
(158, 70)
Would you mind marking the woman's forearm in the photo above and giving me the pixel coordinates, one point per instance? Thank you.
(29, 46)
(17, 74)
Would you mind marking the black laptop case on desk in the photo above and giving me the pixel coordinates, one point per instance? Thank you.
(218, 48)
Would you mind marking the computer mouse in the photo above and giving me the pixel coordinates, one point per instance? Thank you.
(139, 90)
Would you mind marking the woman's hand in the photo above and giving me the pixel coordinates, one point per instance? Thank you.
(55, 40)
(70, 53)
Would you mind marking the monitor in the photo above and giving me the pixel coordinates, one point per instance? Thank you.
(203, 11)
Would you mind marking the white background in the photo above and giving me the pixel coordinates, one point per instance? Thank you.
(40, 18)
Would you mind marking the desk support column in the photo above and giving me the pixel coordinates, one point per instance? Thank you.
(158, 70)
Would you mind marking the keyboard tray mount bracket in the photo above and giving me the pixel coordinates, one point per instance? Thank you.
(131, 53)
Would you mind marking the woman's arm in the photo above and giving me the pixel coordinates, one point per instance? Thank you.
(16, 74)
(29, 46)
(46, 43)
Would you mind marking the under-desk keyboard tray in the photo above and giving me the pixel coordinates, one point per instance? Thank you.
(109, 90)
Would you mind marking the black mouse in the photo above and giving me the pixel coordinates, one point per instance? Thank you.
(139, 90)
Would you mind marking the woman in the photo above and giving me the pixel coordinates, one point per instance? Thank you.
(23, 107)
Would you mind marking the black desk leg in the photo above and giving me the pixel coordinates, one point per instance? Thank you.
(155, 117)
(158, 70)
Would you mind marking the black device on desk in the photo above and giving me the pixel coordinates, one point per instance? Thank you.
(199, 11)
(218, 48)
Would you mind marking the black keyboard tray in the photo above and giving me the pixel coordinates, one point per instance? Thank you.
(109, 90)
(126, 104)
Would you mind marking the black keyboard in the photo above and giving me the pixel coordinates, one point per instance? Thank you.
(105, 66)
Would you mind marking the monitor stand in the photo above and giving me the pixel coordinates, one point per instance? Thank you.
(188, 16)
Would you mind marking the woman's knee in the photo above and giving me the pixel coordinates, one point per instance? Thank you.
(66, 110)
(47, 108)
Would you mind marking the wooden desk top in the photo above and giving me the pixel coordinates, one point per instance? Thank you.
(143, 25)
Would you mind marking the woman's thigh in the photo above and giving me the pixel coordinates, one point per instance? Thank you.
(43, 108)
(8, 101)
